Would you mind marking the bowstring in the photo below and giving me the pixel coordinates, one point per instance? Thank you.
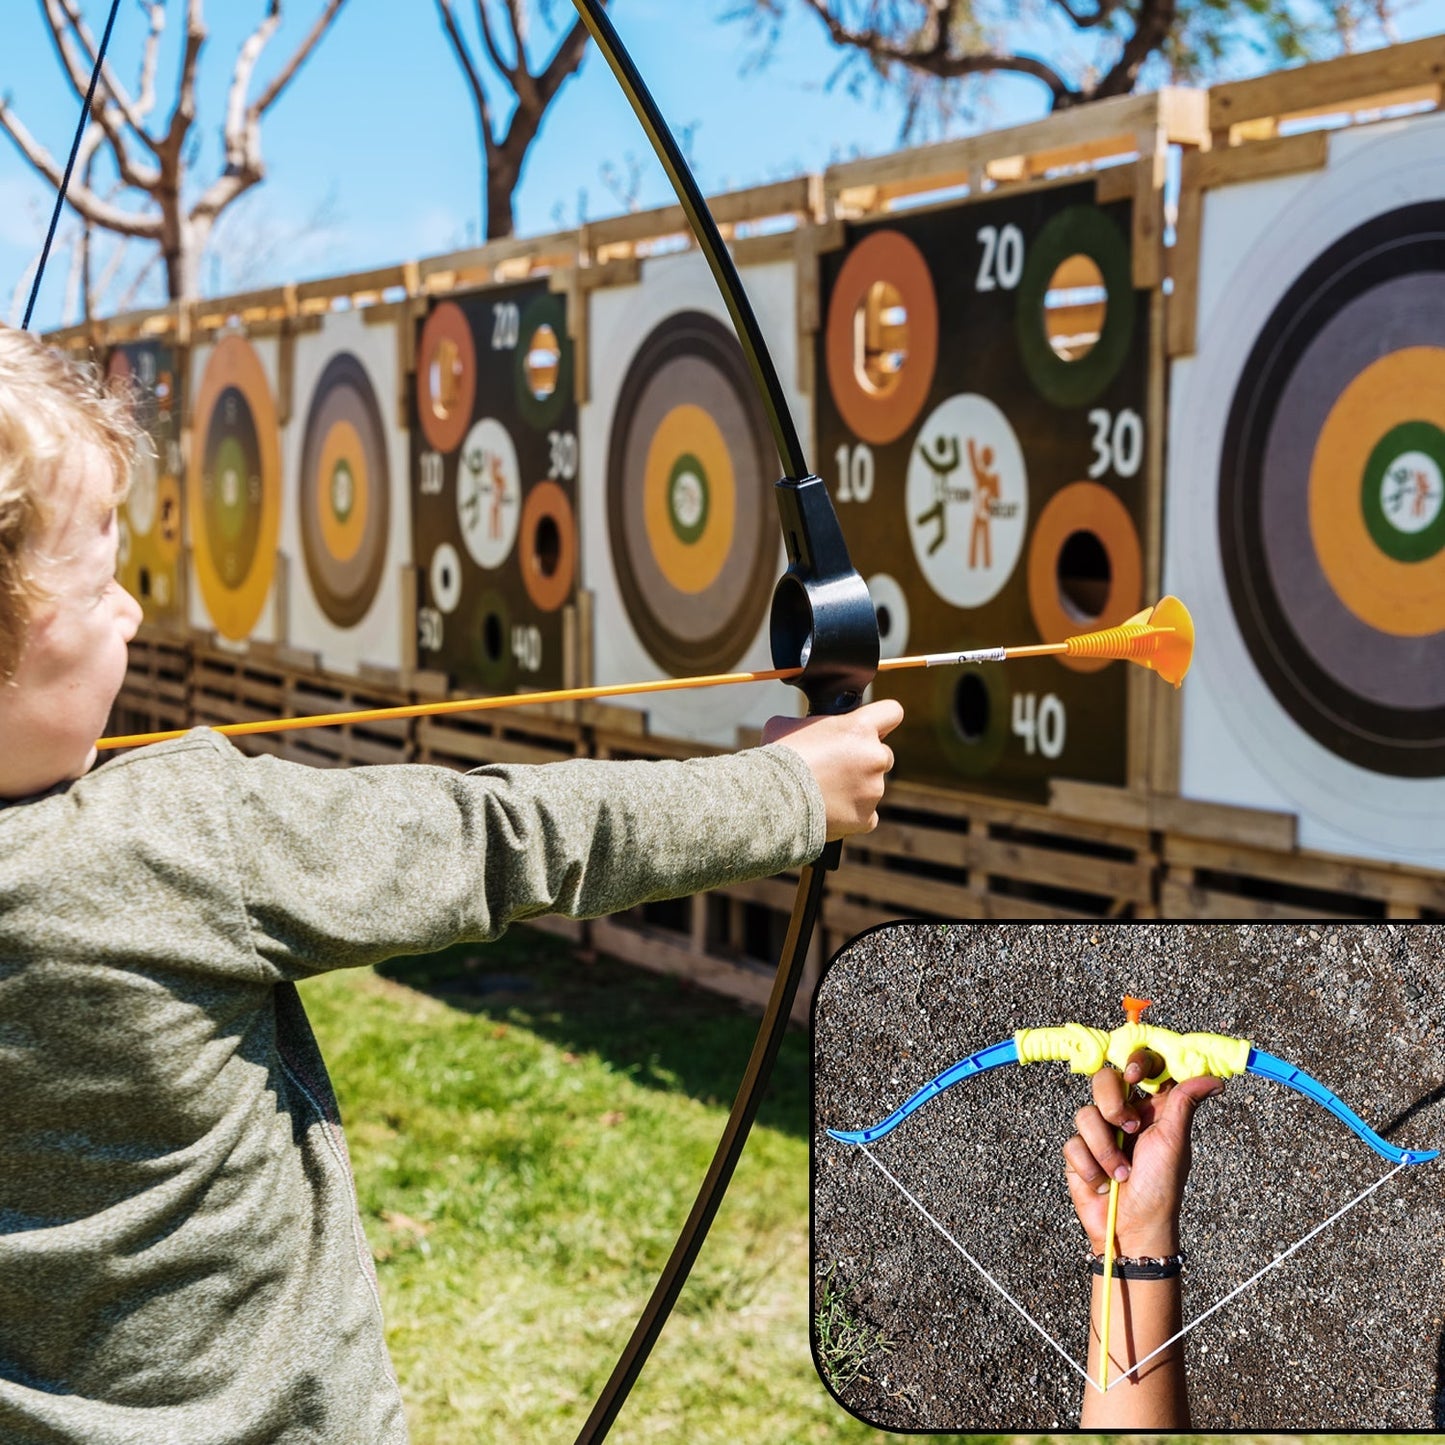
(1193, 1324)
(70, 164)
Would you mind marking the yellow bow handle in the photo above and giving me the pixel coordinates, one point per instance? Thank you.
(1086, 1050)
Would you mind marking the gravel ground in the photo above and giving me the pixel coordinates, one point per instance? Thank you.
(1345, 1335)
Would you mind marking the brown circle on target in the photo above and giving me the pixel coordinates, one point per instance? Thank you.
(1095, 511)
(549, 546)
(446, 377)
(878, 414)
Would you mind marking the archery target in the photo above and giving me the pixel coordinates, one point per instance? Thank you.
(890, 605)
(344, 527)
(1309, 449)
(149, 565)
(984, 431)
(234, 489)
(682, 547)
(494, 478)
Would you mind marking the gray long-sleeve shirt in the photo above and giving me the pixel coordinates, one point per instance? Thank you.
(180, 1254)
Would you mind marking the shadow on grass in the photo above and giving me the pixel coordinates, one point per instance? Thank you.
(660, 1031)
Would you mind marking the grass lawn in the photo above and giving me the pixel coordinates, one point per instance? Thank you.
(528, 1133)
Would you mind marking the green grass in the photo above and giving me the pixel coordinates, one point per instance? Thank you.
(528, 1133)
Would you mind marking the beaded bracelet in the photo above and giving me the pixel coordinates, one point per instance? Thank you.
(1168, 1266)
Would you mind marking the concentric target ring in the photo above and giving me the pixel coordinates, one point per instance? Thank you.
(971, 708)
(1092, 511)
(549, 546)
(234, 489)
(1341, 608)
(446, 377)
(545, 409)
(690, 469)
(345, 492)
(882, 414)
(1086, 231)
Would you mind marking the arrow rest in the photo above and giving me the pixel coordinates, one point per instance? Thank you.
(823, 618)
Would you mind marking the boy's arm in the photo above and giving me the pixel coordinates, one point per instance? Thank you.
(347, 867)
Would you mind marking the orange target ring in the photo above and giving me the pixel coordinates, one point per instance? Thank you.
(234, 488)
(446, 377)
(1093, 514)
(549, 546)
(1396, 596)
(875, 412)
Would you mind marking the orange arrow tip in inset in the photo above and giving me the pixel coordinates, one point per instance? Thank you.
(1134, 1007)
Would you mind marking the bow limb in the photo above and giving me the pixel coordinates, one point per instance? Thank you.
(822, 622)
(1267, 1066)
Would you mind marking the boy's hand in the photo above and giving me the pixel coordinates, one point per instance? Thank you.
(847, 756)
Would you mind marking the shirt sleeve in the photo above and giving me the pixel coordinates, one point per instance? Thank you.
(344, 867)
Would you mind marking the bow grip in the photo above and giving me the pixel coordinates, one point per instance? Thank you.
(822, 617)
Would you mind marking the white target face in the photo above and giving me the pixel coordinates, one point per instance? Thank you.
(446, 577)
(967, 500)
(489, 493)
(1314, 685)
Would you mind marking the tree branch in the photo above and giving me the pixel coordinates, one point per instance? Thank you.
(63, 12)
(459, 45)
(287, 74)
(494, 52)
(1152, 28)
(81, 199)
(564, 62)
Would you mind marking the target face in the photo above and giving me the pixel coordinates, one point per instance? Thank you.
(1331, 503)
(984, 430)
(690, 470)
(967, 498)
(494, 484)
(150, 517)
(345, 493)
(235, 488)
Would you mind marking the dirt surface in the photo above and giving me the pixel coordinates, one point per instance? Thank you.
(1347, 1334)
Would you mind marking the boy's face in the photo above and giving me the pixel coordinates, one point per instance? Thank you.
(74, 661)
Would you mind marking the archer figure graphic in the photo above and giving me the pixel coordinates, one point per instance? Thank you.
(943, 465)
(470, 504)
(499, 495)
(986, 491)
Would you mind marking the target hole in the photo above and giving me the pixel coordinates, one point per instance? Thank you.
(971, 708)
(444, 378)
(145, 581)
(547, 547)
(1084, 575)
(1075, 305)
(493, 641)
(880, 338)
(885, 621)
(543, 362)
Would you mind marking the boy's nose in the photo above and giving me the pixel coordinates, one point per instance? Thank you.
(130, 614)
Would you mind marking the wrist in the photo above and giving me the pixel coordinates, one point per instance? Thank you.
(1150, 1241)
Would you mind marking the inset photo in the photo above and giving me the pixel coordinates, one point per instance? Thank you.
(1132, 1176)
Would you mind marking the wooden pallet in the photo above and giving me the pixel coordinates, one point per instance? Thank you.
(948, 856)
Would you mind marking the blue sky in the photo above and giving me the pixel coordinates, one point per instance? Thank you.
(373, 155)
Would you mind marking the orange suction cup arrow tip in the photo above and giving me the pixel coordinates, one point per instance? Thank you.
(1160, 638)
(1134, 1007)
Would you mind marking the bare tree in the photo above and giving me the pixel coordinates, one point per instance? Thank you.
(154, 166)
(504, 151)
(925, 49)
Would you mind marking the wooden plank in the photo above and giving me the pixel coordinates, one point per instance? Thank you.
(795, 196)
(1180, 900)
(543, 252)
(330, 288)
(1260, 160)
(1084, 133)
(1371, 79)
(1317, 872)
(1183, 327)
(1221, 822)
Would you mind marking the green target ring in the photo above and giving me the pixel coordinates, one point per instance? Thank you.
(1086, 231)
(1401, 492)
(545, 411)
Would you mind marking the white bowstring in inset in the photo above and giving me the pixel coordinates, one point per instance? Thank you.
(1199, 1319)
